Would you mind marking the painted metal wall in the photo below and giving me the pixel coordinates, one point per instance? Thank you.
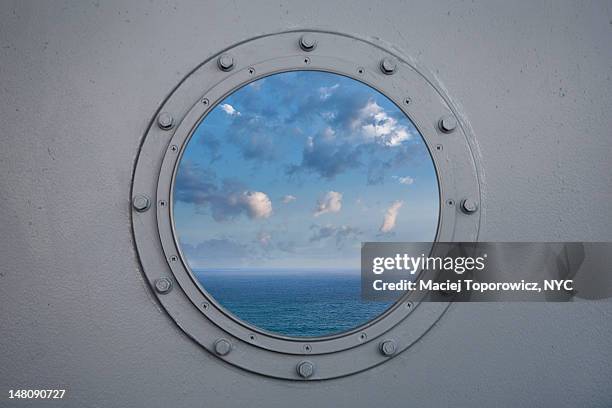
(79, 83)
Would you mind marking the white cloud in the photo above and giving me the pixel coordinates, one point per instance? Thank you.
(327, 91)
(407, 180)
(331, 202)
(310, 142)
(375, 123)
(258, 204)
(229, 109)
(391, 216)
(329, 115)
(289, 198)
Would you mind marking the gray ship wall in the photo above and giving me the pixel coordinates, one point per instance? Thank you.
(79, 85)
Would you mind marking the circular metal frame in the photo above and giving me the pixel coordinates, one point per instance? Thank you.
(198, 314)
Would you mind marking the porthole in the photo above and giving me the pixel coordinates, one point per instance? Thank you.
(278, 186)
(272, 167)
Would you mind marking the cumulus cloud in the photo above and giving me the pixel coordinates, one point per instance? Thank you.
(226, 200)
(288, 199)
(257, 204)
(406, 180)
(331, 202)
(326, 91)
(359, 132)
(376, 123)
(340, 234)
(229, 109)
(390, 216)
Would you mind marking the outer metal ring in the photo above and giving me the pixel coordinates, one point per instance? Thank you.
(188, 304)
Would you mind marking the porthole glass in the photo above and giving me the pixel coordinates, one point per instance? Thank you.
(280, 184)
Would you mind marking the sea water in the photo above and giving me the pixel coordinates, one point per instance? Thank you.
(293, 303)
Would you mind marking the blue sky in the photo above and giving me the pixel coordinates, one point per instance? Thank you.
(295, 170)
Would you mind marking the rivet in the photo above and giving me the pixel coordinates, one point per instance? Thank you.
(307, 348)
(447, 123)
(308, 42)
(141, 203)
(469, 206)
(305, 369)
(165, 121)
(225, 62)
(174, 148)
(223, 347)
(205, 101)
(163, 285)
(388, 66)
(388, 347)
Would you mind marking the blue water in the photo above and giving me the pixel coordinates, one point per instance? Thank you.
(293, 304)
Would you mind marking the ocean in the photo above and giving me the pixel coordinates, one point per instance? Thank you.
(294, 304)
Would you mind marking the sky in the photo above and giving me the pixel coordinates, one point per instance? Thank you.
(295, 170)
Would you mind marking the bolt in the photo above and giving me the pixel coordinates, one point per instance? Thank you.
(308, 43)
(223, 347)
(141, 203)
(388, 66)
(305, 369)
(163, 285)
(469, 206)
(388, 347)
(165, 121)
(447, 123)
(225, 62)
